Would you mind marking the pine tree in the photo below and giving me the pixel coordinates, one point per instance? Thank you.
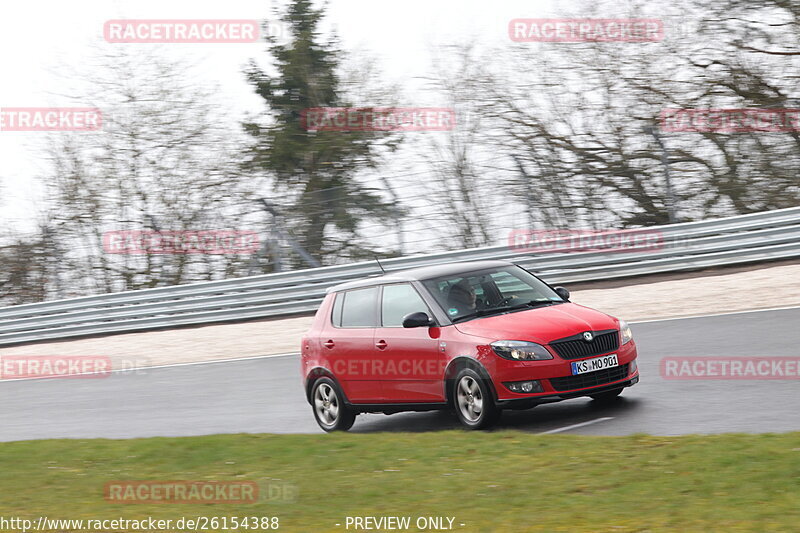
(315, 171)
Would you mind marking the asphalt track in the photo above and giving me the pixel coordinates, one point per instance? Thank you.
(264, 395)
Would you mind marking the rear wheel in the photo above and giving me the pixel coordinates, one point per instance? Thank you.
(473, 401)
(607, 397)
(331, 412)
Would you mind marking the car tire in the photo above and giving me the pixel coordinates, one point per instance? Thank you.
(330, 409)
(607, 397)
(473, 401)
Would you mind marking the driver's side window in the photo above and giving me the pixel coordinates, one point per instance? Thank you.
(398, 301)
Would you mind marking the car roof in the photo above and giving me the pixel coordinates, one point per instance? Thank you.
(420, 273)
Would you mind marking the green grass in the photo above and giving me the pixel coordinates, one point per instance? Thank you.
(500, 481)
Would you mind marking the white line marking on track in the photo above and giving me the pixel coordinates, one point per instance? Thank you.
(714, 314)
(215, 361)
(575, 426)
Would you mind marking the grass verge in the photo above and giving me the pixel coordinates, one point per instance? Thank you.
(499, 481)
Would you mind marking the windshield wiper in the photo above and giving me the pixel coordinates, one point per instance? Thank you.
(534, 303)
(480, 312)
(527, 305)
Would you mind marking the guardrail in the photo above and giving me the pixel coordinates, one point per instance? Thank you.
(743, 239)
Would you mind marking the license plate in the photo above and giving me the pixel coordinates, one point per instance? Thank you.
(592, 365)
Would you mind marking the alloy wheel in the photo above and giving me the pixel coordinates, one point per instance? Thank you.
(326, 403)
(469, 398)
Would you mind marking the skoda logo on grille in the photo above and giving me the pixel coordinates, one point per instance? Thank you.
(588, 336)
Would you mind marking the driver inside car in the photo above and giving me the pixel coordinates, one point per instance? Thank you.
(462, 297)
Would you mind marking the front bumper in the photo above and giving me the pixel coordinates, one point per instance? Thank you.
(504, 371)
(531, 400)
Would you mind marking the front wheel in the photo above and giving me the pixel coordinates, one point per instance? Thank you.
(329, 408)
(473, 401)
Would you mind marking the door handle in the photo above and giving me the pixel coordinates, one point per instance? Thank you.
(329, 344)
(381, 345)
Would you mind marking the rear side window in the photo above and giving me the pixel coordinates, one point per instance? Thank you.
(358, 308)
(398, 301)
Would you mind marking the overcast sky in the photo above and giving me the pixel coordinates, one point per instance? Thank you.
(43, 40)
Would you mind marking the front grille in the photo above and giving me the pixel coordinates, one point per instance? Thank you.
(575, 347)
(590, 379)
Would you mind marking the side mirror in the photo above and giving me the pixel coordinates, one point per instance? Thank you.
(561, 291)
(417, 320)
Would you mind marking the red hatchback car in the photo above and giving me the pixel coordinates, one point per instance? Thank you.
(475, 337)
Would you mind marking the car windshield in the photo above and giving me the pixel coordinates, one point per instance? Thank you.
(486, 292)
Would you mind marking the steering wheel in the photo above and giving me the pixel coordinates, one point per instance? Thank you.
(507, 300)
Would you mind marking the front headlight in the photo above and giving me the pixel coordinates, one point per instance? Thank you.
(625, 329)
(521, 351)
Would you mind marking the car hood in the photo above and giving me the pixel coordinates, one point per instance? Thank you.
(541, 325)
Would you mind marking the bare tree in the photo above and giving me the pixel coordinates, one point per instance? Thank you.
(164, 161)
(459, 190)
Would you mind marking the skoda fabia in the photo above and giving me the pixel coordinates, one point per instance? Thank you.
(474, 337)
